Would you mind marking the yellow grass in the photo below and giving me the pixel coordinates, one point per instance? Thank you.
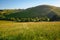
(29, 30)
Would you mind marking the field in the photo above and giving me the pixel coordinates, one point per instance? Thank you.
(29, 30)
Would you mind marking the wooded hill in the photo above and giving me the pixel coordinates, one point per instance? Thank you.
(33, 14)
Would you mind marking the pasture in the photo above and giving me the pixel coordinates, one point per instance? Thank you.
(29, 30)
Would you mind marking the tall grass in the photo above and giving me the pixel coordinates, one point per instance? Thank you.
(29, 30)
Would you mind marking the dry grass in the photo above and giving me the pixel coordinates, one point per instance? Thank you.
(29, 30)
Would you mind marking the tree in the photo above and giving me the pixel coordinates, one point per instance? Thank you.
(12, 19)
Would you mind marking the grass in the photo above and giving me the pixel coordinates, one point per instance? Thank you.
(29, 30)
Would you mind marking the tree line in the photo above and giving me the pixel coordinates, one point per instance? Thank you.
(36, 19)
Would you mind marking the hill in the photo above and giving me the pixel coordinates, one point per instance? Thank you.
(38, 13)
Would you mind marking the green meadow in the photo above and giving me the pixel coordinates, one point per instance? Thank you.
(29, 30)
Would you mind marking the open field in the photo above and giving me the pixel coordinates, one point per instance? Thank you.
(29, 30)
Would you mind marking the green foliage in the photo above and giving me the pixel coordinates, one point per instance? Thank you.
(31, 19)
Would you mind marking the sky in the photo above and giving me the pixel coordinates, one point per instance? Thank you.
(23, 4)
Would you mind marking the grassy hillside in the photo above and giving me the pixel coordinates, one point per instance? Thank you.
(8, 11)
(38, 11)
(41, 11)
(29, 30)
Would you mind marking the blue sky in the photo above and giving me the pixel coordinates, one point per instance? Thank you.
(23, 4)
